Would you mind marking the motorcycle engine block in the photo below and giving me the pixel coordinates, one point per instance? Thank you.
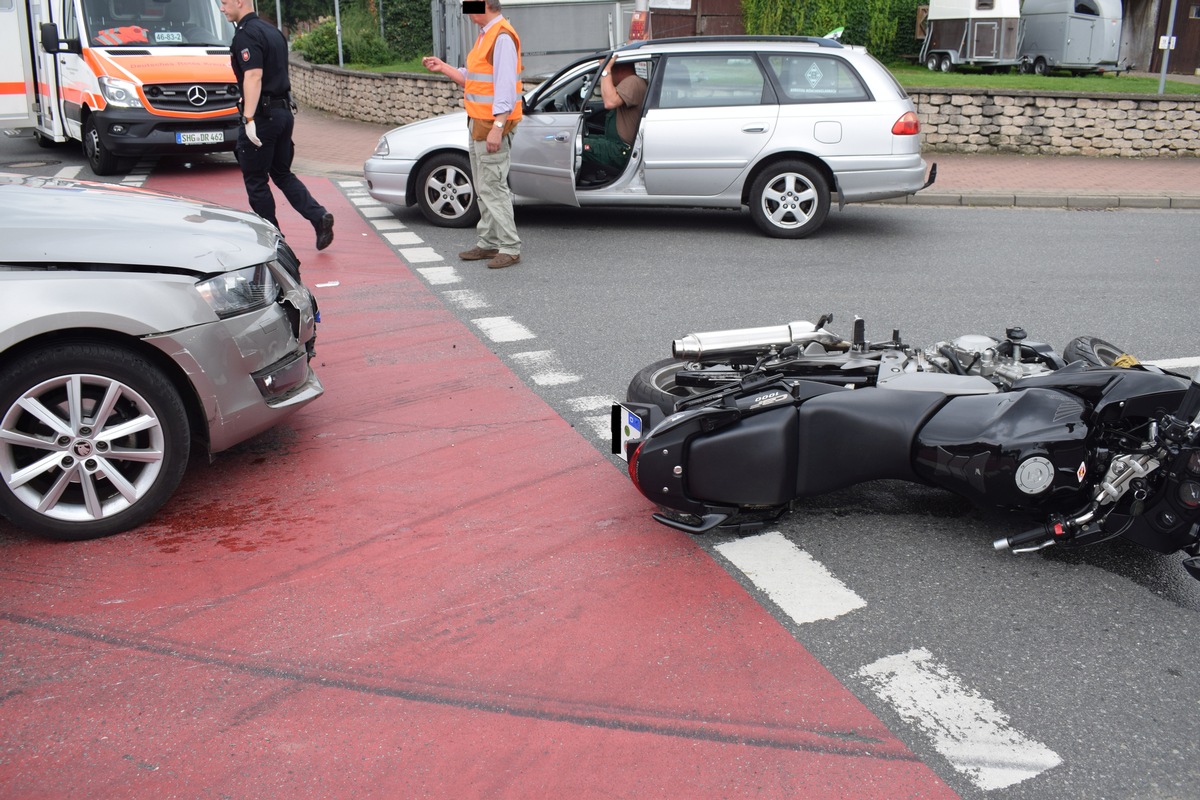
(981, 355)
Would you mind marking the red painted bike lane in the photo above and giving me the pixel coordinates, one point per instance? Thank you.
(424, 584)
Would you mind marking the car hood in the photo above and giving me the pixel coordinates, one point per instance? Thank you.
(64, 223)
(416, 138)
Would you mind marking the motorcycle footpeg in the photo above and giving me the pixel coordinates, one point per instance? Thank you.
(706, 524)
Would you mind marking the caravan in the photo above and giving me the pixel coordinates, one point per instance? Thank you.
(123, 77)
(1078, 35)
(985, 33)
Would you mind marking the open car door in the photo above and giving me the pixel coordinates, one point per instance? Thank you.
(548, 145)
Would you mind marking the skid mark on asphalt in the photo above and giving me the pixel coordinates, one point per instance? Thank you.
(747, 733)
(964, 727)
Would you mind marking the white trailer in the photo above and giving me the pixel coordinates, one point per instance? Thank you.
(984, 33)
(122, 77)
(1077, 35)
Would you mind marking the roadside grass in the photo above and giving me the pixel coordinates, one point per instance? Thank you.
(410, 65)
(917, 76)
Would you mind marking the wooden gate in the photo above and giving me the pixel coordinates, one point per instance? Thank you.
(1185, 58)
(695, 18)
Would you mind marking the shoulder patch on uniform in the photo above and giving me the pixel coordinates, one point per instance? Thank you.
(246, 54)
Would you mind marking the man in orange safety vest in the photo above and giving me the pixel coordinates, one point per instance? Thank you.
(492, 97)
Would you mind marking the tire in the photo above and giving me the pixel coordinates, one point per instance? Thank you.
(95, 481)
(933, 62)
(43, 140)
(655, 385)
(1040, 67)
(946, 65)
(1095, 351)
(99, 157)
(789, 200)
(446, 193)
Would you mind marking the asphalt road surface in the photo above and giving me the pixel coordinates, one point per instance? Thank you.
(1049, 675)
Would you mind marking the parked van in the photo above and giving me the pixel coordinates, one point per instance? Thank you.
(985, 33)
(123, 77)
(1079, 35)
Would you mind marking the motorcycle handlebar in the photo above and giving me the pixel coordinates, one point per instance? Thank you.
(1035, 536)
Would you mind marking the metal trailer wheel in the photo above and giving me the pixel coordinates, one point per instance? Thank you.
(1040, 67)
(93, 440)
(946, 64)
(446, 193)
(933, 62)
(789, 199)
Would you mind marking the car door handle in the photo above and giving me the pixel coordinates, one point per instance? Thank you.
(561, 136)
(760, 128)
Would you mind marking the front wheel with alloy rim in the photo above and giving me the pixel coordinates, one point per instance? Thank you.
(446, 193)
(100, 158)
(789, 199)
(655, 384)
(93, 440)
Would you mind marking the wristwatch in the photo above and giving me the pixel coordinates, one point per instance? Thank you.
(497, 124)
(604, 74)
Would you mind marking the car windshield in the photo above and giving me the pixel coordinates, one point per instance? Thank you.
(159, 23)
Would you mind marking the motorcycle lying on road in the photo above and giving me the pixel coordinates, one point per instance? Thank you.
(741, 425)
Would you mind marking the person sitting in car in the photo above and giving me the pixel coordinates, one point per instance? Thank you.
(622, 90)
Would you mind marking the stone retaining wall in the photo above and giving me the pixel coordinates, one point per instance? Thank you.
(1059, 124)
(961, 122)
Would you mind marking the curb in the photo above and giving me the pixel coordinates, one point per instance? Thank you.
(1050, 199)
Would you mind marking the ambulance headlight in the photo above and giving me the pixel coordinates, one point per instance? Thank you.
(120, 93)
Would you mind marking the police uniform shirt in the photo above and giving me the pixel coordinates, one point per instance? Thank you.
(259, 45)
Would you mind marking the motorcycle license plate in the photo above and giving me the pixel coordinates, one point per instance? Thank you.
(627, 426)
(200, 137)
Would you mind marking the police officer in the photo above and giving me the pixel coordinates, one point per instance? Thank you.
(264, 147)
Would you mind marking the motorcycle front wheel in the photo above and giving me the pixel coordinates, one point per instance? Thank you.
(1096, 351)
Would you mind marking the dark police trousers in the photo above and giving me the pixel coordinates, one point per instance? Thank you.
(274, 125)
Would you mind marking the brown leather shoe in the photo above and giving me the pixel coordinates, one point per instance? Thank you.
(503, 260)
(477, 254)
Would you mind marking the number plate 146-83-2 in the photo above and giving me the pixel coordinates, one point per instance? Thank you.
(200, 137)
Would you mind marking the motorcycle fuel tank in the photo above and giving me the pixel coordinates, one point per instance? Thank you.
(1012, 450)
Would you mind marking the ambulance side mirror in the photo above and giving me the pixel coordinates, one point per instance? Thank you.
(50, 41)
(52, 44)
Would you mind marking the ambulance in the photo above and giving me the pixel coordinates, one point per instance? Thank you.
(125, 78)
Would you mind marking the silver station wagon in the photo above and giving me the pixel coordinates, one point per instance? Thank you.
(782, 125)
(134, 325)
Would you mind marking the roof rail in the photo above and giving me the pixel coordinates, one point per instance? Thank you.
(817, 40)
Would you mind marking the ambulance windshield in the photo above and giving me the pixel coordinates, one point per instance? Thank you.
(156, 23)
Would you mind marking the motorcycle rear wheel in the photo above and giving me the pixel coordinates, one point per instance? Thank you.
(655, 385)
(1092, 350)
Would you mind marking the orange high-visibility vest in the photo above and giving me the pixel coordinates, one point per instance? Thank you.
(480, 79)
(130, 34)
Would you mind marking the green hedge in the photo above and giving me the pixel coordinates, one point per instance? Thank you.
(886, 27)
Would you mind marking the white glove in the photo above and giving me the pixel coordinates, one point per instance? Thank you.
(252, 135)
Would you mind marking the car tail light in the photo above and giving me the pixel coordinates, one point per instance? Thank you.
(907, 125)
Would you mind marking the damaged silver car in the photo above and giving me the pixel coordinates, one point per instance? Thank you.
(135, 326)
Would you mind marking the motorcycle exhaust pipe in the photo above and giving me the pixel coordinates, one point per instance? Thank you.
(751, 342)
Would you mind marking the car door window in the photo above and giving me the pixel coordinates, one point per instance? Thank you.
(717, 80)
(816, 79)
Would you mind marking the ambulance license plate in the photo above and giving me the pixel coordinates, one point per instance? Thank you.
(200, 137)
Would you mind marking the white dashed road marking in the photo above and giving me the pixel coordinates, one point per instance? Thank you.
(439, 276)
(973, 735)
(545, 368)
(503, 329)
(800, 585)
(466, 299)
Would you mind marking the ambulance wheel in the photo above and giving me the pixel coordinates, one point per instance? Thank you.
(99, 157)
(43, 140)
